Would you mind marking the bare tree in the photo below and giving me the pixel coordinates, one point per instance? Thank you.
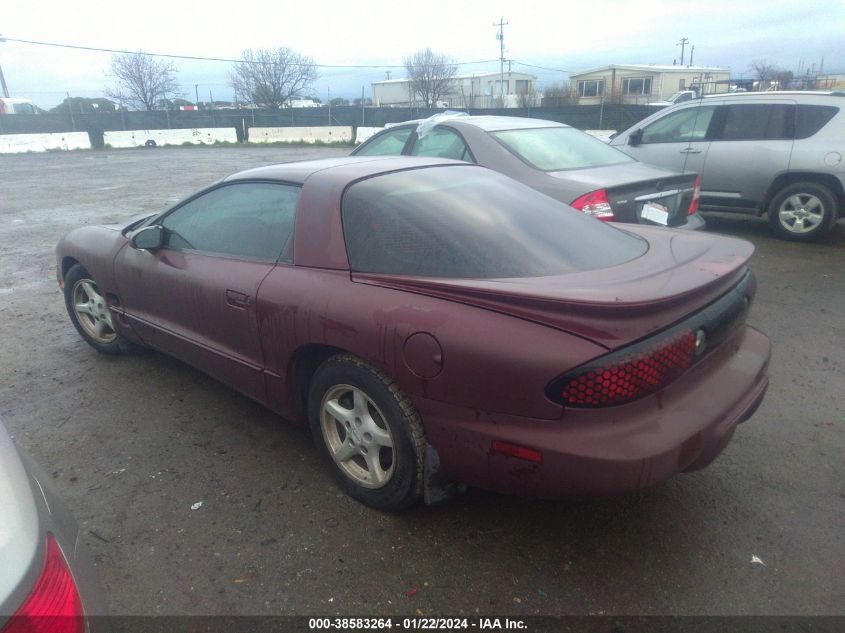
(784, 78)
(764, 71)
(557, 94)
(269, 77)
(431, 75)
(141, 80)
(527, 97)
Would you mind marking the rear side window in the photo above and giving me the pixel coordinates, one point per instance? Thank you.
(467, 222)
(441, 143)
(811, 118)
(558, 148)
(757, 121)
(683, 126)
(388, 144)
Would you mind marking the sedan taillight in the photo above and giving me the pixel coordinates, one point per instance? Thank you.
(595, 204)
(53, 605)
(696, 194)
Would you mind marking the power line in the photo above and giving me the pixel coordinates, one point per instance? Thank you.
(559, 70)
(213, 59)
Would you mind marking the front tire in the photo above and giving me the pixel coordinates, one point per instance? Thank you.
(802, 212)
(89, 312)
(369, 433)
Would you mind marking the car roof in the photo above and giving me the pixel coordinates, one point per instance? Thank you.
(775, 94)
(489, 123)
(300, 171)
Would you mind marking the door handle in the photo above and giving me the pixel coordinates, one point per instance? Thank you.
(690, 150)
(238, 299)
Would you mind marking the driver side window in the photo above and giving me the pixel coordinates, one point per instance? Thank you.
(689, 124)
(248, 220)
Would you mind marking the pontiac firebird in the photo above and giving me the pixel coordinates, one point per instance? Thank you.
(438, 324)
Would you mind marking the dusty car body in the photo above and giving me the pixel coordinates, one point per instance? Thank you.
(555, 159)
(457, 317)
(47, 580)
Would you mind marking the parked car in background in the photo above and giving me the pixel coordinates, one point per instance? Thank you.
(47, 581)
(778, 153)
(13, 105)
(679, 97)
(436, 321)
(556, 159)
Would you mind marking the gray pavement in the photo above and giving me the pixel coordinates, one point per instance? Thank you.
(133, 443)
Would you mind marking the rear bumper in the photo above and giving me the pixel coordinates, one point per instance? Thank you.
(610, 450)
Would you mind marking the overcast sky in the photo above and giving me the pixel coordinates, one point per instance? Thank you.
(560, 35)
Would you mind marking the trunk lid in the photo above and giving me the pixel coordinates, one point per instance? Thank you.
(630, 186)
(680, 273)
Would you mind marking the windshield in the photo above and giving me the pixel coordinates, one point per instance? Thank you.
(469, 222)
(558, 148)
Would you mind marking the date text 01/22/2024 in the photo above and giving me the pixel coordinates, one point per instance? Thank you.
(416, 624)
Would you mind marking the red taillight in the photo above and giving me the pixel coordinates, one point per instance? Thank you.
(595, 204)
(514, 450)
(53, 605)
(696, 194)
(632, 375)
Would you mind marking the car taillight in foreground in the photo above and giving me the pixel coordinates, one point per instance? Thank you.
(595, 204)
(696, 194)
(53, 605)
(630, 373)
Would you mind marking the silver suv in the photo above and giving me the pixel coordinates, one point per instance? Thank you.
(779, 153)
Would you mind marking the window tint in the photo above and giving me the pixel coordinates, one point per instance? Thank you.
(467, 222)
(689, 124)
(251, 220)
(388, 144)
(556, 148)
(811, 118)
(442, 143)
(757, 121)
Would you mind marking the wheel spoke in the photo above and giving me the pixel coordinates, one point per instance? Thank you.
(346, 451)
(84, 308)
(812, 203)
(795, 202)
(100, 328)
(377, 473)
(90, 290)
(338, 411)
(360, 402)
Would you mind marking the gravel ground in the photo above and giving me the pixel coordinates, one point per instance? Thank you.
(134, 442)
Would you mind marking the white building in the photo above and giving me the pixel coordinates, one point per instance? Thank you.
(476, 90)
(644, 83)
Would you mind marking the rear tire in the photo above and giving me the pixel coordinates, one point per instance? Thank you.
(802, 211)
(90, 314)
(369, 433)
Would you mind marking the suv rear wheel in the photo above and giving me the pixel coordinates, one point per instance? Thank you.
(802, 211)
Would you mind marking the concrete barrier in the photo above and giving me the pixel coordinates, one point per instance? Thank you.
(364, 133)
(602, 135)
(333, 134)
(20, 143)
(193, 136)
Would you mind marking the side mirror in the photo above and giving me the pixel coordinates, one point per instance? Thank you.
(636, 137)
(149, 238)
(613, 136)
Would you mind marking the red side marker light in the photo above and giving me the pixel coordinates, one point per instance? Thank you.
(514, 450)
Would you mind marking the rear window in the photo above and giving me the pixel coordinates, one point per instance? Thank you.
(558, 148)
(811, 118)
(757, 121)
(468, 222)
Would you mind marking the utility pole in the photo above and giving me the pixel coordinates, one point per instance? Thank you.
(2, 78)
(684, 41)
(197, 94)
(691, 52)
(501, 37)
(387, 72)
(329, 101)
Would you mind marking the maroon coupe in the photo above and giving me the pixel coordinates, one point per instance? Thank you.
(437, 322)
